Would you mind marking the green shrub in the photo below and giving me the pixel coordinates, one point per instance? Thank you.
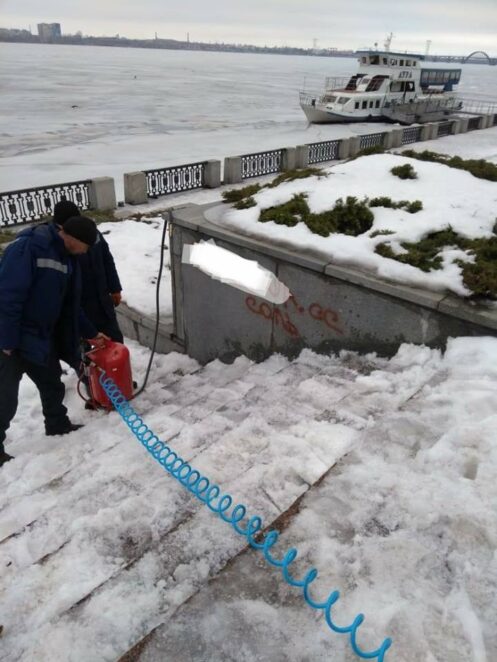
(477, 167)
(246, 203)
(413, 207)
(378, 233)
(383, 201)
(291, 175)
(405, 171)
(350, 217)
(290, 213)
(236, 195)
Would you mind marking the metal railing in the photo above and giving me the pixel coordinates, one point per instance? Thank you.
(474, 123)
(326, 150)
(444, 129)
(411, 134)
(371, 140)
(164, 181)
(33, 204)
(262, 163)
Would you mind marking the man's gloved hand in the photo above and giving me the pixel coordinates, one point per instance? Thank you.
(116, 298)
(99, 340)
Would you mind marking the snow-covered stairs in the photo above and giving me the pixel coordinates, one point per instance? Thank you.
(106, 546)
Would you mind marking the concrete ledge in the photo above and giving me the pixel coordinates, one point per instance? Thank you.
(470, 312)
(141, 328)
(192, 219)
(424, 298)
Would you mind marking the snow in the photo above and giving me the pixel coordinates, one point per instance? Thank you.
(451, 199)
(137, 109)
(104, 545)
(394, 460)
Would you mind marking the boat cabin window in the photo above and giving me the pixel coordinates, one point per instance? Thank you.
(374, 59)
(364, 60)
(408, 63)
(371, 104)
(356, 105)
(393, 63)
(402, 86)
(343, 99)
(377, 104)
(385, 60)
(364, 104)
(375, 84)
(402, 63)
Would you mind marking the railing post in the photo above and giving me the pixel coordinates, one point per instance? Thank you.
(233, 170)
(426, 131)
(288, 160)
(102, 193)
(396, 138)
(463, 124)
(344, 149)
(354, 145)
(456, 126)
(489, 117)
(135, 188)
(302, 156)
(212, 174)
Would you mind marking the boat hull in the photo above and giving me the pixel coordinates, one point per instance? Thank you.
(319, 115)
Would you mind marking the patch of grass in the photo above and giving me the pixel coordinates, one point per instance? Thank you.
(246, 203)
(405, 171)
(290, 213)
(378, 233)
(384, 201)
(480, 276)
(351, 217)
(242, 197)
(292, 175)
(236, 195)
(477, 167)
(374, 149)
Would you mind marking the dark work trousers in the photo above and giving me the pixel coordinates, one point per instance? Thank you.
(48, 382)
(104, 320)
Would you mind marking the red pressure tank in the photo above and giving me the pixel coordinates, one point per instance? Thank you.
(113, 358)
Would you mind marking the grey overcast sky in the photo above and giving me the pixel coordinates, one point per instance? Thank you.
(453, 26)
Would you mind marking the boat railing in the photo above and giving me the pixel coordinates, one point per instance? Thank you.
(475, 106)
(338, 83)
(309, 99)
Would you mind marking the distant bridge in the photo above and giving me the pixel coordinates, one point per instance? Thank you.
(476, 57)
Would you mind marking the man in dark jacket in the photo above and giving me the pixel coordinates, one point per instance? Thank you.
(100, 285)
(40, 318)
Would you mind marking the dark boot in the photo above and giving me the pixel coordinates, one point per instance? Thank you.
(66, 429)
(4, 457)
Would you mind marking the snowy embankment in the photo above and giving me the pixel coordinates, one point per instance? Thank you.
(451, 198)
(99, 545)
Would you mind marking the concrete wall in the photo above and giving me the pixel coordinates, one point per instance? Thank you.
(141, 328)
(333, 308)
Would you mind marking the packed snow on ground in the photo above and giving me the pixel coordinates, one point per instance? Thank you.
(472, 145)
(136, 248)
(451, 198)
(404, 526)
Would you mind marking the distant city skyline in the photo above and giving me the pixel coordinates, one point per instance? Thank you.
(452, 28)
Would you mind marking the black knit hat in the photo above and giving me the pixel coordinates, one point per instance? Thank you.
(63, 210)
(82, 228)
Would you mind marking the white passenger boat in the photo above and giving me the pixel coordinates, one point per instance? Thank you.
(387, 86)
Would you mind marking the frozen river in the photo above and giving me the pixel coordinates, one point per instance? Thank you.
(74, 112)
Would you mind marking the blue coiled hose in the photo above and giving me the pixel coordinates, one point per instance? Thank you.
(220, 504)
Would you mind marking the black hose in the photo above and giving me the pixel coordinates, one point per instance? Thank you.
(157, 306)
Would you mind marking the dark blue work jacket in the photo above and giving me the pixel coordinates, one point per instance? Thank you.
(99, 278)
(40, 295)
